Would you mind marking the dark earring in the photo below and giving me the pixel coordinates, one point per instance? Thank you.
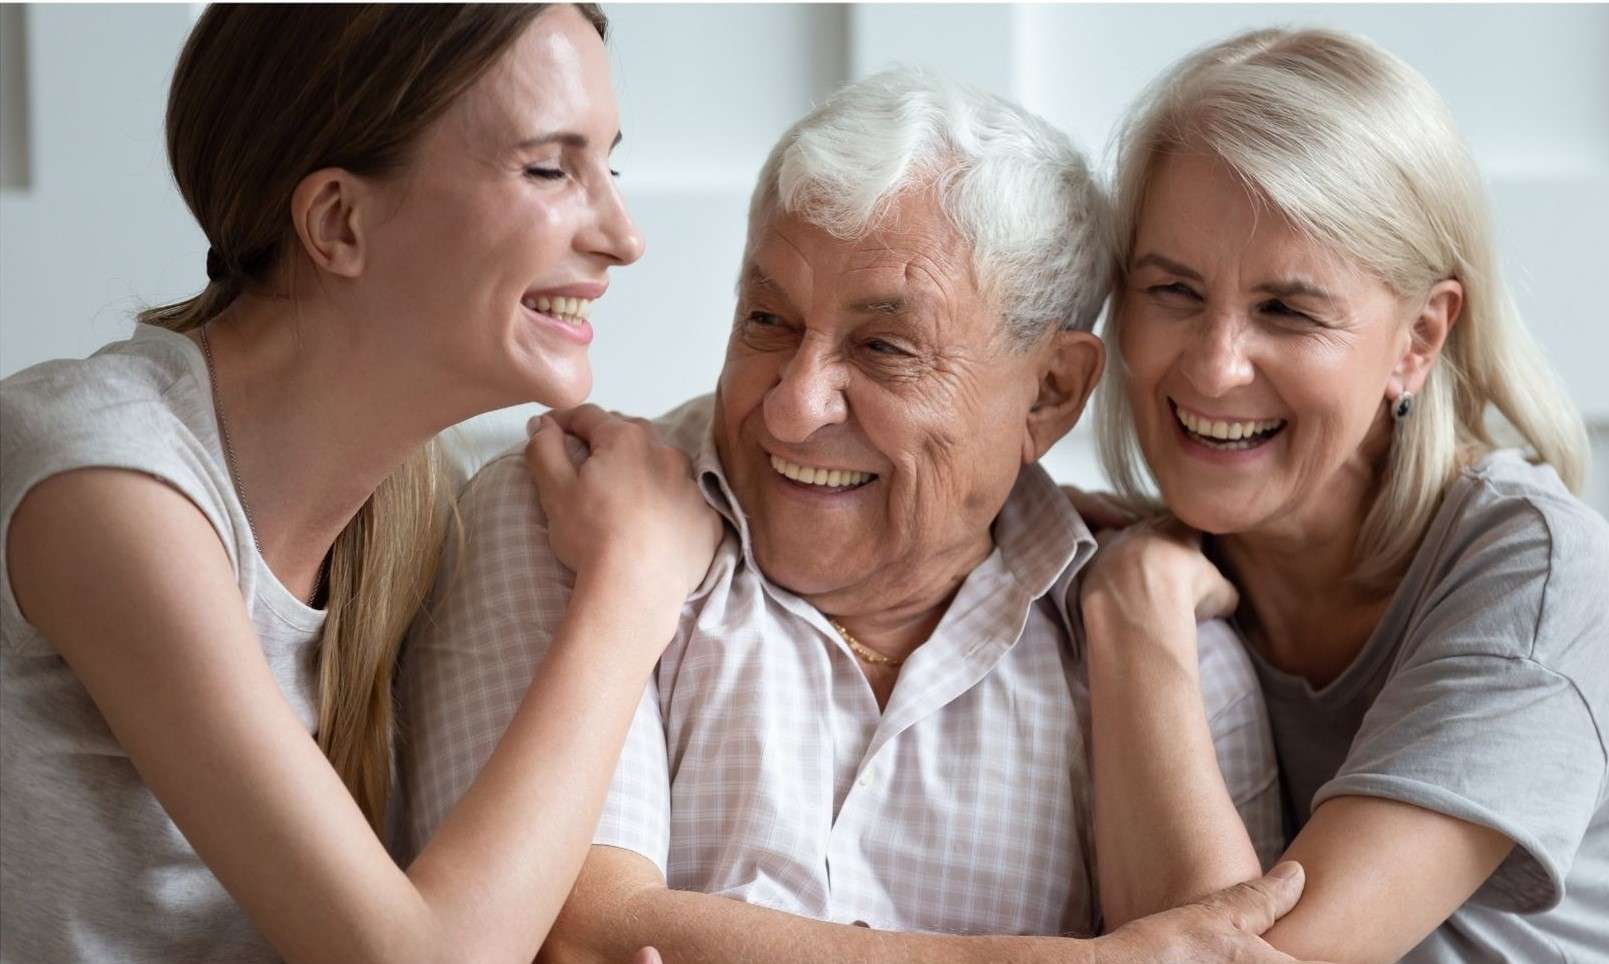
(1403, 407)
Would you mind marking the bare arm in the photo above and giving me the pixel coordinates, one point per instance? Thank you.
(620, 903)
(1166, 828)
(128, 580)
(1382, 874)
(1385, 874)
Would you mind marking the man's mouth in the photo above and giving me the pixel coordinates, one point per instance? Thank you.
(1225, 435)
(570, 311)
(830, 480)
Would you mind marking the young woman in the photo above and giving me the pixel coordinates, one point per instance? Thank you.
(1308, 338)
(216, 532)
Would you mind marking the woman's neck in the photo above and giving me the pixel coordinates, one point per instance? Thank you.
(1300, 605)
(314, 426)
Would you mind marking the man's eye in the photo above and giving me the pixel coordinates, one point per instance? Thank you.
(544, 173)
(762, 319)
(881, 347)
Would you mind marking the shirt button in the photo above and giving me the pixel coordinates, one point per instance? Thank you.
(868, 779)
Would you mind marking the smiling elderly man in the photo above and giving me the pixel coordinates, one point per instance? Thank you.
(874, 711)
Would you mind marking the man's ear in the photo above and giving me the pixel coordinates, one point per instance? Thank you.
(330, 209)
(1068, 373)
(1427, 333)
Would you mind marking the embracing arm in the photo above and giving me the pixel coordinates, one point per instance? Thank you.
(621, 902)
(1166, 828)
(1382, 874)
(129, 581)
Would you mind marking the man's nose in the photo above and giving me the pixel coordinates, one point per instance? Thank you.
(1219, 360)
(808, 395)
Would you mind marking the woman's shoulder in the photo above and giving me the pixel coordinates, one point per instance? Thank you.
(138, 404)
(1519, 558)
(152, 372)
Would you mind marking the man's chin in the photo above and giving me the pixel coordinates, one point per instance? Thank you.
(804, 572)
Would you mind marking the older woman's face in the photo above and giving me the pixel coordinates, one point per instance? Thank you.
(1259, 361)
(871, 410)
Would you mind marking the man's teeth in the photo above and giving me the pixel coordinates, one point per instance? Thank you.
(814, 476)
(1226, 431)
(572, 311)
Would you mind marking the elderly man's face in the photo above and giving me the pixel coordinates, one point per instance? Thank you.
(873, 411)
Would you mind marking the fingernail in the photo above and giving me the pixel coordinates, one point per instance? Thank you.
(1289, 870)
(534, 424)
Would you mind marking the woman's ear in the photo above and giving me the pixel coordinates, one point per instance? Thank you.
(1427, 334)
(328, 209)
(1070, 369)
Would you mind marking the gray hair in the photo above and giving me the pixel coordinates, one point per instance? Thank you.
(1014, 188)
(1355, 148)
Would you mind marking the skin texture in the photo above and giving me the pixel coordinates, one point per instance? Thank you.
(880, 355)
(933, 399)
(399, 321)
(1210, 324)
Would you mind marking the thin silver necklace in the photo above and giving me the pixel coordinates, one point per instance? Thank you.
(229, 460)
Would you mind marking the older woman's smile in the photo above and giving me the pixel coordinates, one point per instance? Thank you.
(1225, 433)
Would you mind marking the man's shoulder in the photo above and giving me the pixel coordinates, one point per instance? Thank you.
(687, 426)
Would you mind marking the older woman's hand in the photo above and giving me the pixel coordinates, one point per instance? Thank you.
(628, 508)
(1156, 566)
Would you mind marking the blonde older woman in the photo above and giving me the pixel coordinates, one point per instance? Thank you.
(1308, 338)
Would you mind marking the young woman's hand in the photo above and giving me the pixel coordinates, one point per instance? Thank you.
(1157, 564)
(628, 509)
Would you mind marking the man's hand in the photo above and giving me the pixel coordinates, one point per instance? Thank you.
(1225, 926)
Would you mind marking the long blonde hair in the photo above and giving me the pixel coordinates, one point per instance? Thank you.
(1357, 150)
(262, 96)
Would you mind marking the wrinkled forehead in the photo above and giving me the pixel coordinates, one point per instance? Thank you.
(911, 253)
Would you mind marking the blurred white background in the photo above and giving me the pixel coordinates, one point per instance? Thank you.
(91, 228)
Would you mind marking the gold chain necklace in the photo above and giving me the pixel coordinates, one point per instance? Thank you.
(862, 650)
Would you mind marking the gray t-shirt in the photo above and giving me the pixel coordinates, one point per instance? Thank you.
(1483, 694)
(91, 866)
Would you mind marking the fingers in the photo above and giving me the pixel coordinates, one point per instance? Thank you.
(1254, 906)
(546, 459)
(589, 422)
(647, 956)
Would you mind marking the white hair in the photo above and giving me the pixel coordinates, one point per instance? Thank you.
(1358, 151)
(1014, 188)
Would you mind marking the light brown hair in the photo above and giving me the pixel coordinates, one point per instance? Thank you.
(262, 96)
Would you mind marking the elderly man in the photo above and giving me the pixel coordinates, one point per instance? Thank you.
(874, 710)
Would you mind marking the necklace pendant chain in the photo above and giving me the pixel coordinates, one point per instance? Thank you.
(862, 650)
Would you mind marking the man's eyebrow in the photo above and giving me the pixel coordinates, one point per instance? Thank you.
(566, 138)
(752, 277)
(879, 305)
(1169, 265)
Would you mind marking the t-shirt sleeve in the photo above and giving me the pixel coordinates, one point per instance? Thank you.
(636, 814)
(1241, 736)
(500, 596)
(50, 429)
(1493, 712)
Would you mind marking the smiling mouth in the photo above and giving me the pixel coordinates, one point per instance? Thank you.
(1226, 436)
(828, 480)
(569, 311)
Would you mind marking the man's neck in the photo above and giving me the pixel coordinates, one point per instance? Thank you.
(896, 611)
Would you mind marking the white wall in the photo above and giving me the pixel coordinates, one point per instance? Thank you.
(99, 231)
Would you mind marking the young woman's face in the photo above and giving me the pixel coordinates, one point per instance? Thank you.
(491, 248)
(1259, 361)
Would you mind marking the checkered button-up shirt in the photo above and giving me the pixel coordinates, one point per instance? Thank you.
(759, 766)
